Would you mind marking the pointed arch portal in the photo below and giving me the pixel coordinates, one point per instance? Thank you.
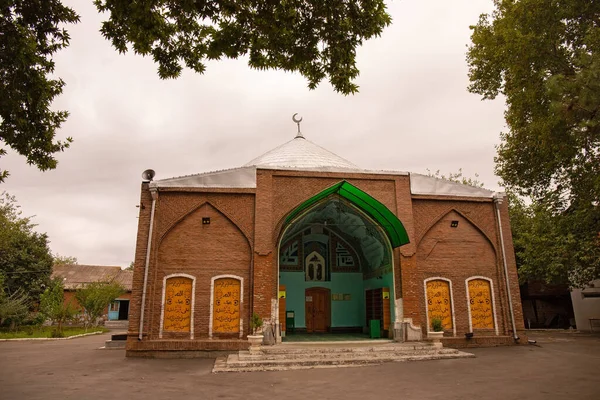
(366, 203)
(340, 241)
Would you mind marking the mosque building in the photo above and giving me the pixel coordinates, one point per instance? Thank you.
(313, 244)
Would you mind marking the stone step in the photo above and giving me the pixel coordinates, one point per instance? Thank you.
(233, 363)
(116, 325)
(114, 344)
(246, 356)
(333, 349)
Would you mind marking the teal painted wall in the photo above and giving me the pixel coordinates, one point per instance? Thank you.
(343, 313)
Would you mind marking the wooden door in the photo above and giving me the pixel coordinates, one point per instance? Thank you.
(113, 310)
(282, 307)
(378, 308)
(317, 309)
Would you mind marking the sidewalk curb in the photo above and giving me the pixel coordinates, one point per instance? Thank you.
(50, 339)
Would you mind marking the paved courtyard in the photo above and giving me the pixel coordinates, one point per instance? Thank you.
(560, 366)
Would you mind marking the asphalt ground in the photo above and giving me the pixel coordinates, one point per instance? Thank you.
(560, 366)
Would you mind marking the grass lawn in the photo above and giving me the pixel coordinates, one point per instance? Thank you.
(45, 332)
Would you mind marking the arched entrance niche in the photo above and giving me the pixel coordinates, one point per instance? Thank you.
(336, 267)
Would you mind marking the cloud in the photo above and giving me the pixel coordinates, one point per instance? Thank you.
(413, 112)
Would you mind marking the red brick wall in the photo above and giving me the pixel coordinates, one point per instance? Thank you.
(278, 193)
(473, 248)
(203, 251)
(246, 225)
(182, 244)
(69, 298)
(457, 254)
(140, 260)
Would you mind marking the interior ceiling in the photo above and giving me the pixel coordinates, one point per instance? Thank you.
(336, 214)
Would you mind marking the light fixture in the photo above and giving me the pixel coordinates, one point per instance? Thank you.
(205, 220)
(453, 224)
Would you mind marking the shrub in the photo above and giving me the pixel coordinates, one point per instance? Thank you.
(437, 324)
(255, 323)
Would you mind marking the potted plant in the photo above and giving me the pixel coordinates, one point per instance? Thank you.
(437, 330)
(256, 338)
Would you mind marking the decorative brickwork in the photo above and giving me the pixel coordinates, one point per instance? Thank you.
(207, 233)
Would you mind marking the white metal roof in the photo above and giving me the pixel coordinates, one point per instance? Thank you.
(300, 153)
(244, 177)
(423, 184)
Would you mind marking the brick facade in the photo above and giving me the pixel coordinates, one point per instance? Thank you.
(247, 224)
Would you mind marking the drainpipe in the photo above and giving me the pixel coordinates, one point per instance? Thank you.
(498, 198)
(154, 193)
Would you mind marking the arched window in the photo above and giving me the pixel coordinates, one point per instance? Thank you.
(480, 294)
(315, 267)
(226, 305)
(438, 294)
(178, 304)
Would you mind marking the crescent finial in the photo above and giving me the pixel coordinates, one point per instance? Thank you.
(297, 121)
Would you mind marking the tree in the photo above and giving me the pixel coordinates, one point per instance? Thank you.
(547, 244)
(25, 258)
(95, 297)
(131, 266)
(54, 307)
(31, 34)
(544, 57)
(57, 259)
(14, 306)
(457, 177)
(317, 38)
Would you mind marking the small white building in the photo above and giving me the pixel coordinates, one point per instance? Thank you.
(586, 306)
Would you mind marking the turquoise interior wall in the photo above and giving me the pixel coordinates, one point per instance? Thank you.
(345, 313)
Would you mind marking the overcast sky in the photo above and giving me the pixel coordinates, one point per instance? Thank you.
(413, 113)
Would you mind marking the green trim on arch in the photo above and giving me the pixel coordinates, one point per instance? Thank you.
(366, 203)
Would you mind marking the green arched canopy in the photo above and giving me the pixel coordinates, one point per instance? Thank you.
(373, 208)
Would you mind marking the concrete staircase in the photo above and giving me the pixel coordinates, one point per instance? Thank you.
(117, 325)
(117, 341)
(331, 355)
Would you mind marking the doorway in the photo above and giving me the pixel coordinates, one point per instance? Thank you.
(332, 248)
(317, 309)
(123, 310)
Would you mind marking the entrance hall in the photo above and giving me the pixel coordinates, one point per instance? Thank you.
(336, 268)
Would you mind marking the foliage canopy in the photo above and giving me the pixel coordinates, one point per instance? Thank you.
(53, 306)
(544, 57)
(94, 297)
(457, 177)
(548, 246)
(14, 306)
(25, 258)
(57, 259)
(31, 34)
(317, 38)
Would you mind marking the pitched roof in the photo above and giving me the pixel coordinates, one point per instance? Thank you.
(429, 185)
(244, 177)
(76, 275)
(300, 153)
